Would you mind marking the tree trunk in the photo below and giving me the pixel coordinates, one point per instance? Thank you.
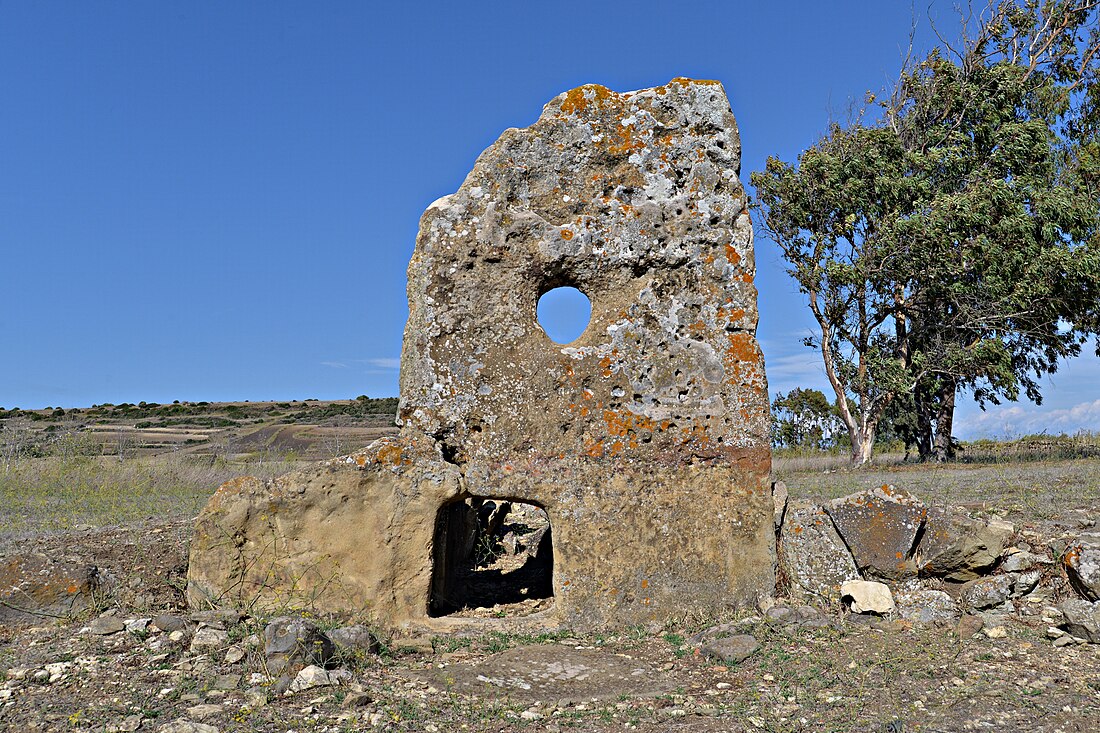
(945, 419)
(924, 409)
(863, 443)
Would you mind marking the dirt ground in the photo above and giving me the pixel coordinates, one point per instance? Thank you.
(842, 673)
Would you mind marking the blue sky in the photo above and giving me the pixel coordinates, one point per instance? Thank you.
(215, 201)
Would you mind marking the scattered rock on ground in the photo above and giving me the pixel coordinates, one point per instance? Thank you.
(35, 586)
(867, 596)
(1081, 619)
(926, 605)
(186, 726)
(731, 649)
(880, 526)
(292, 643)
(988, 592)
(314, 676)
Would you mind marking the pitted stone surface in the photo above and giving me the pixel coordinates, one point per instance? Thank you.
(880, 527)
(815, 558)
(645, 440)
(552, 673)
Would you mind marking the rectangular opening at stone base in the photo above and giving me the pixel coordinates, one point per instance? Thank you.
(491, 558)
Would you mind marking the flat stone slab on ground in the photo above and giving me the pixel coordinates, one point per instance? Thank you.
(552, 673)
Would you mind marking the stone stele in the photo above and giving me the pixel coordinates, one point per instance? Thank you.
(645, 440)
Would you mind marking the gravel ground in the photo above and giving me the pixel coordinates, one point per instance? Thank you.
(841, 674)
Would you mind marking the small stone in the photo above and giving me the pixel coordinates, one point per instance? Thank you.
(1025, 583)
(988, 592)
(255, 697)
(167, 622)
(208, 637)
(868, 596)
(186, 726)
(226, 682)
(106, 625)
(1023, 560)
(291, 643)
(137, 625)
(530, 715)
(355, 638)
(1065, 640)
(731, 649)
(57, 670)
(1082, 619)
(177, 635)
(314, 676)
(995, 632)
(357, 700)
(234, 654)
(204, 711)
(969, 625)
(130, 723)
(926, 606)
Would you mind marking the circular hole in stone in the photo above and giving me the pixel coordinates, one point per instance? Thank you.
(563, 314)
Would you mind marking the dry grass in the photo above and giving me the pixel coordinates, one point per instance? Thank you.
(1033, 490)
(57, 493)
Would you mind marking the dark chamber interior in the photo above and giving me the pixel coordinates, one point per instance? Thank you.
(491, 558)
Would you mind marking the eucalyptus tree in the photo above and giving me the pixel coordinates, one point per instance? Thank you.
(953, 243)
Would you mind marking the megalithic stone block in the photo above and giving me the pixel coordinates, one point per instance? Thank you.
(645, 440)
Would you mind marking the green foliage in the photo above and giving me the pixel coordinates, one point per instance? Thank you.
(955, 243)
(804, 418)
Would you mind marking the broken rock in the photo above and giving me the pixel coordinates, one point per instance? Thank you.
(1081, 619)
(35, 587)
(314, 676)
(868, 596)
(991, 592)
(1082, 563)
(926, 606)
(880, 526)
(957, 547)
(814, 557)
(291, 643)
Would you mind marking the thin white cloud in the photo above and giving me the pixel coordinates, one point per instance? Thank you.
(997, 422)
(386, 363)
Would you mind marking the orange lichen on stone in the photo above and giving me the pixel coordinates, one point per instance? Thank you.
(576, 101)
(732, 255)
(621, 423)
(391, 454)
(704, 82)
